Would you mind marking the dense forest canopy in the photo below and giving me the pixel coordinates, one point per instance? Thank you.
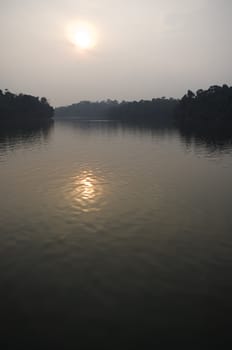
(23, 107)
(212, 106)
(208, 107)
(155, 109)
(86, 109)
(112, 109)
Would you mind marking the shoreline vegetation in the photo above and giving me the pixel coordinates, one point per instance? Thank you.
(155, 110)
(210, 108)
(206, 108)
(24, 109)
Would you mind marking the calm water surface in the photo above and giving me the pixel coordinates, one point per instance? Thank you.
(115, 236)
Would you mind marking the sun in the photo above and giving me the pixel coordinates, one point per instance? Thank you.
(83, 39)
(82, 35)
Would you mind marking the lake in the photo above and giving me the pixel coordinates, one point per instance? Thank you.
(115, 236)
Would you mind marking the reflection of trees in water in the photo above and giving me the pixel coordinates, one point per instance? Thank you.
(213, 139)
(12, 135)
(112, 127)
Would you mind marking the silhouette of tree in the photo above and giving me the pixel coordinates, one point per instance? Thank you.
(212, 106)
(23, 107)
(143, 110)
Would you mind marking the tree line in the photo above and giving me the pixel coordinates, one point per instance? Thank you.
(87, 109)
(209, 107)
(112, 109)
(159, 109)
(212, 106)
(23, 107)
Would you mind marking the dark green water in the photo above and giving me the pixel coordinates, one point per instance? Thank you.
(115, 237)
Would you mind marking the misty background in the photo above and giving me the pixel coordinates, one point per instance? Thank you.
(145, 49)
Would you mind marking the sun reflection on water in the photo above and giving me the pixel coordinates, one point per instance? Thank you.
(87, 191)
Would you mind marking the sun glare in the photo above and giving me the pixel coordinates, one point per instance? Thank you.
(82, 35)
(83, 39)
(87, 191)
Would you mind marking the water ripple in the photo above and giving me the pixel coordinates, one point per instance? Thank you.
(86, 191)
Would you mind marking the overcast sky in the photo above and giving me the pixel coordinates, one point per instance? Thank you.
(145, 48)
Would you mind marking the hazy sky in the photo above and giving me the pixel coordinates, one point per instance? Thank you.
(145, 48)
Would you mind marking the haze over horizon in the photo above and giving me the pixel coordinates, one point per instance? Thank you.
(147, 49)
